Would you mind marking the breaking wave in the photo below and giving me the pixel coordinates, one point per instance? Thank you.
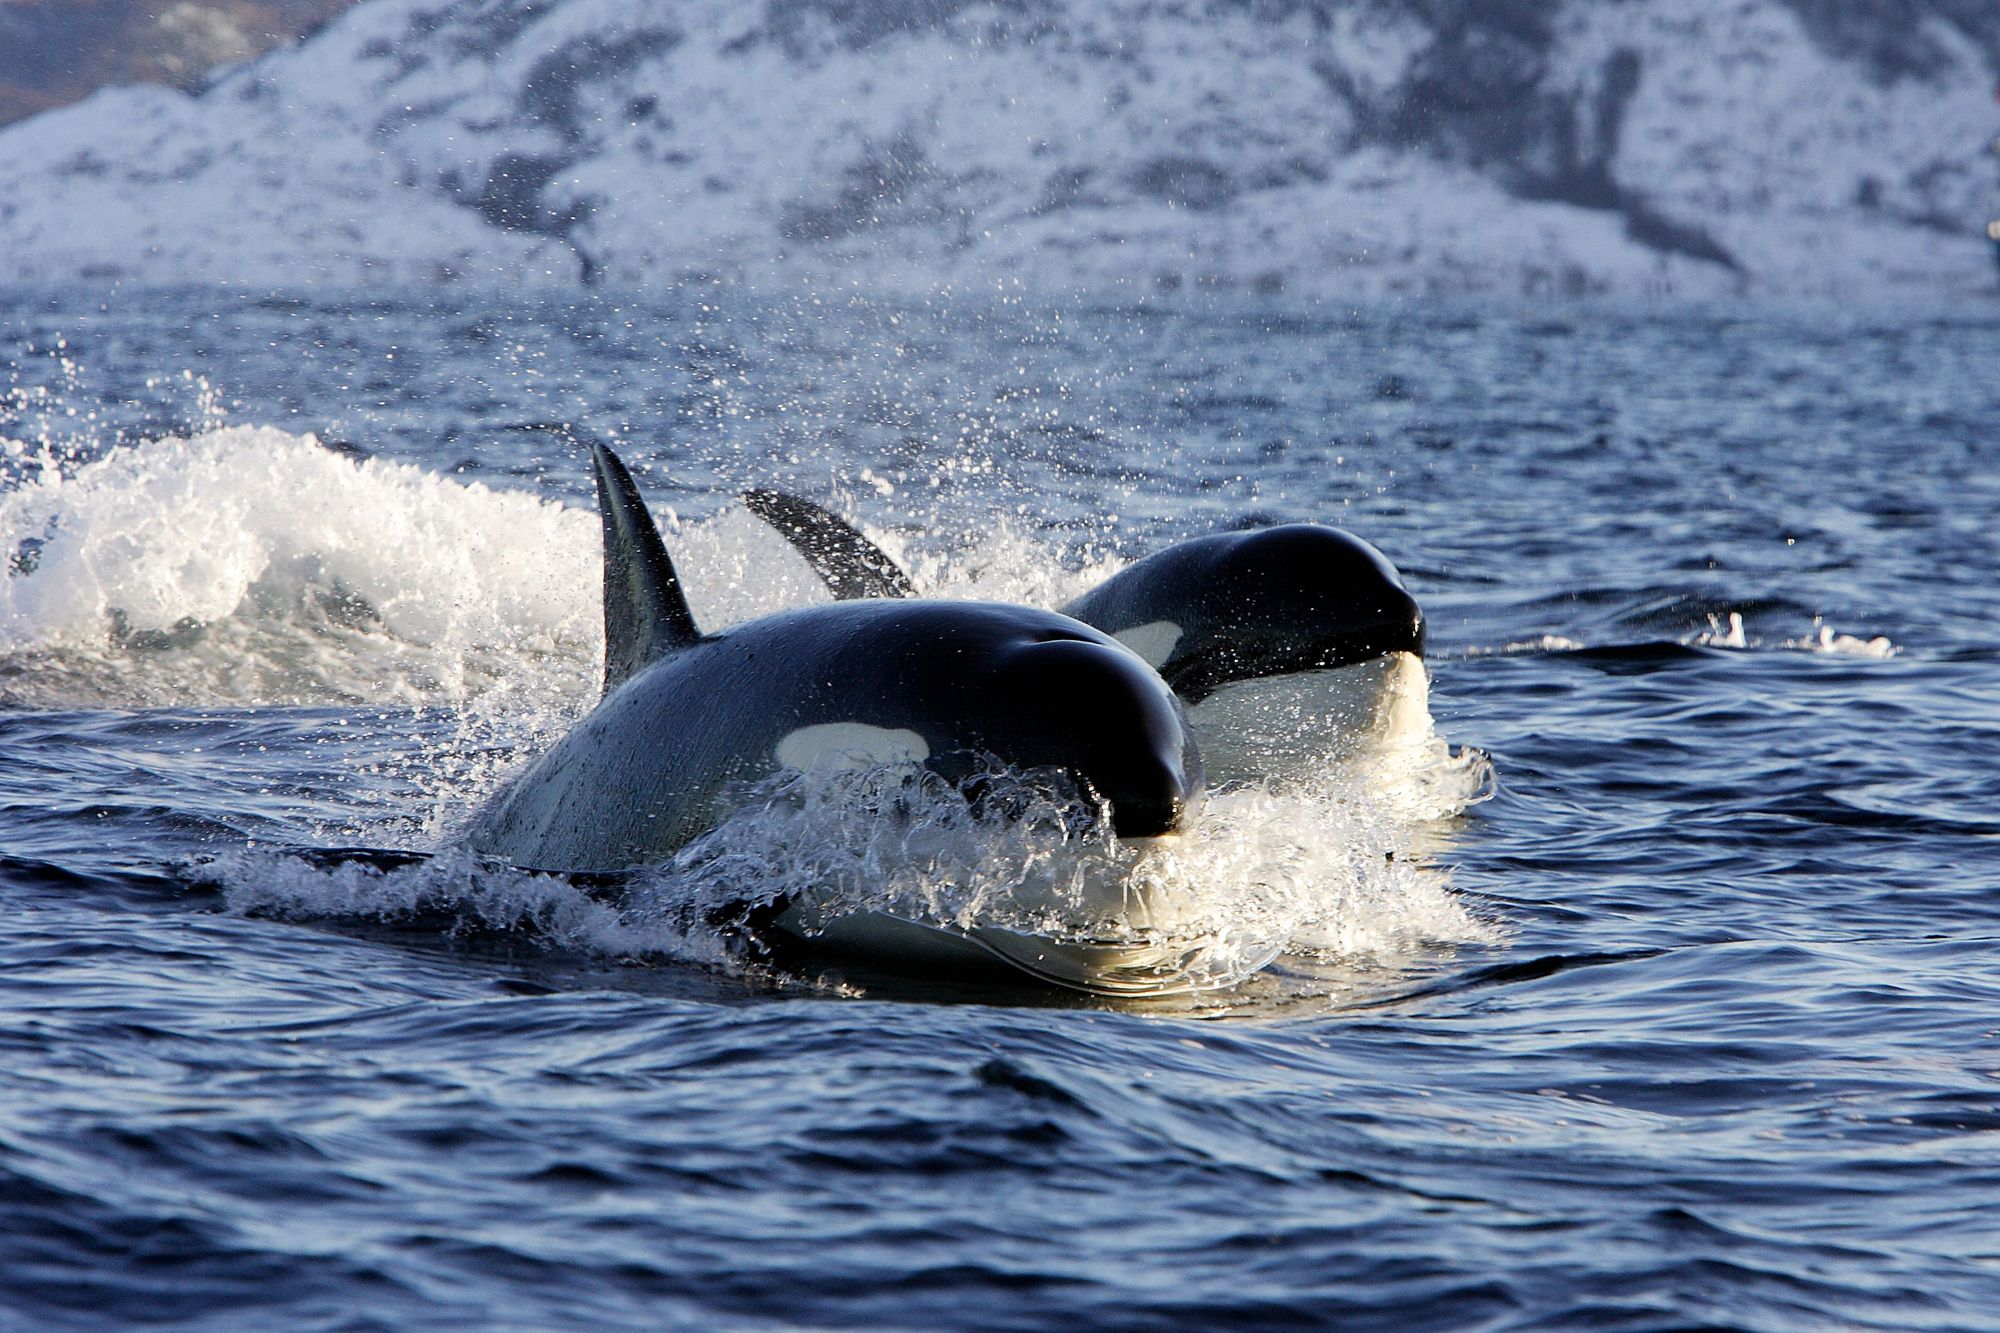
(247, 566)
(1326, 870)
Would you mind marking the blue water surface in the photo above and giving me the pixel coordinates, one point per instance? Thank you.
(1726, 1054)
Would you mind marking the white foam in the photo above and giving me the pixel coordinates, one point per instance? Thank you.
(249, 565)
(284, 571)
(1320, 871)
(1846, 645)
(1545, 643)
(1717, 636)
(1262, 869)
(266, 568)
(1823, 639)
(1002, 560)
(468, 893)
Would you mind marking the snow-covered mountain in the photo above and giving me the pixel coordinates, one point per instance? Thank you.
(1792, 148)
(53, 52)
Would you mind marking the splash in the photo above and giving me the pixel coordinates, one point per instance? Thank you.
(1726, 630)
(1005, 563)
(1845, 645)
(1321, 869)
(1545, 643)
(457, 895)
(1717, 635)
(1823, 639)
(248, 565)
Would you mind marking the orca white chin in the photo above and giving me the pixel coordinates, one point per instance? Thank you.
(1291, 725)
(1167, 966)
(1119, 934)
(1147, 963)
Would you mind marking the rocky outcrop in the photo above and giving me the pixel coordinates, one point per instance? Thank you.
(53, 52)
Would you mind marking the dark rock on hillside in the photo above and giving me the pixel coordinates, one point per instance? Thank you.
(53, 52)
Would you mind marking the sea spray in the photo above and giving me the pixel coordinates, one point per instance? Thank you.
(1320, 869)
(249, 565)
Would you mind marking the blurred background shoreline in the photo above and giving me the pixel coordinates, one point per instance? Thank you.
(1769, 150)
(56, 52)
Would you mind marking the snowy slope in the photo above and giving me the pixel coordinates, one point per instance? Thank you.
(1691, 147)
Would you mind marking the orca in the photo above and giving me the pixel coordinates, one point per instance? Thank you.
(1299, 634)
(688, 718)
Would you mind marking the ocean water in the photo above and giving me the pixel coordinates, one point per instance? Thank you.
(1659, 990)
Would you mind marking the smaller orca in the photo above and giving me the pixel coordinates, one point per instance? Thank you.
(1235, 622)
(688, 719)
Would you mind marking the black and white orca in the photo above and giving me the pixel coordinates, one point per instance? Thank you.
(1298, 638)
(688, 718)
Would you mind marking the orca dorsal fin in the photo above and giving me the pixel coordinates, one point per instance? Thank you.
(848, 563)
(645, 614)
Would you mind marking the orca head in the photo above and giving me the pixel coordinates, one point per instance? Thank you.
(1076, 702)
(1300, 597)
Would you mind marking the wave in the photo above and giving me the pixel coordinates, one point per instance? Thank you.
(249, 565)
(1325, 870)
(246, 565)
(1724, 630)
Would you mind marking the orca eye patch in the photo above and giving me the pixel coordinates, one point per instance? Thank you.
(1154, 641)
(850, 745)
